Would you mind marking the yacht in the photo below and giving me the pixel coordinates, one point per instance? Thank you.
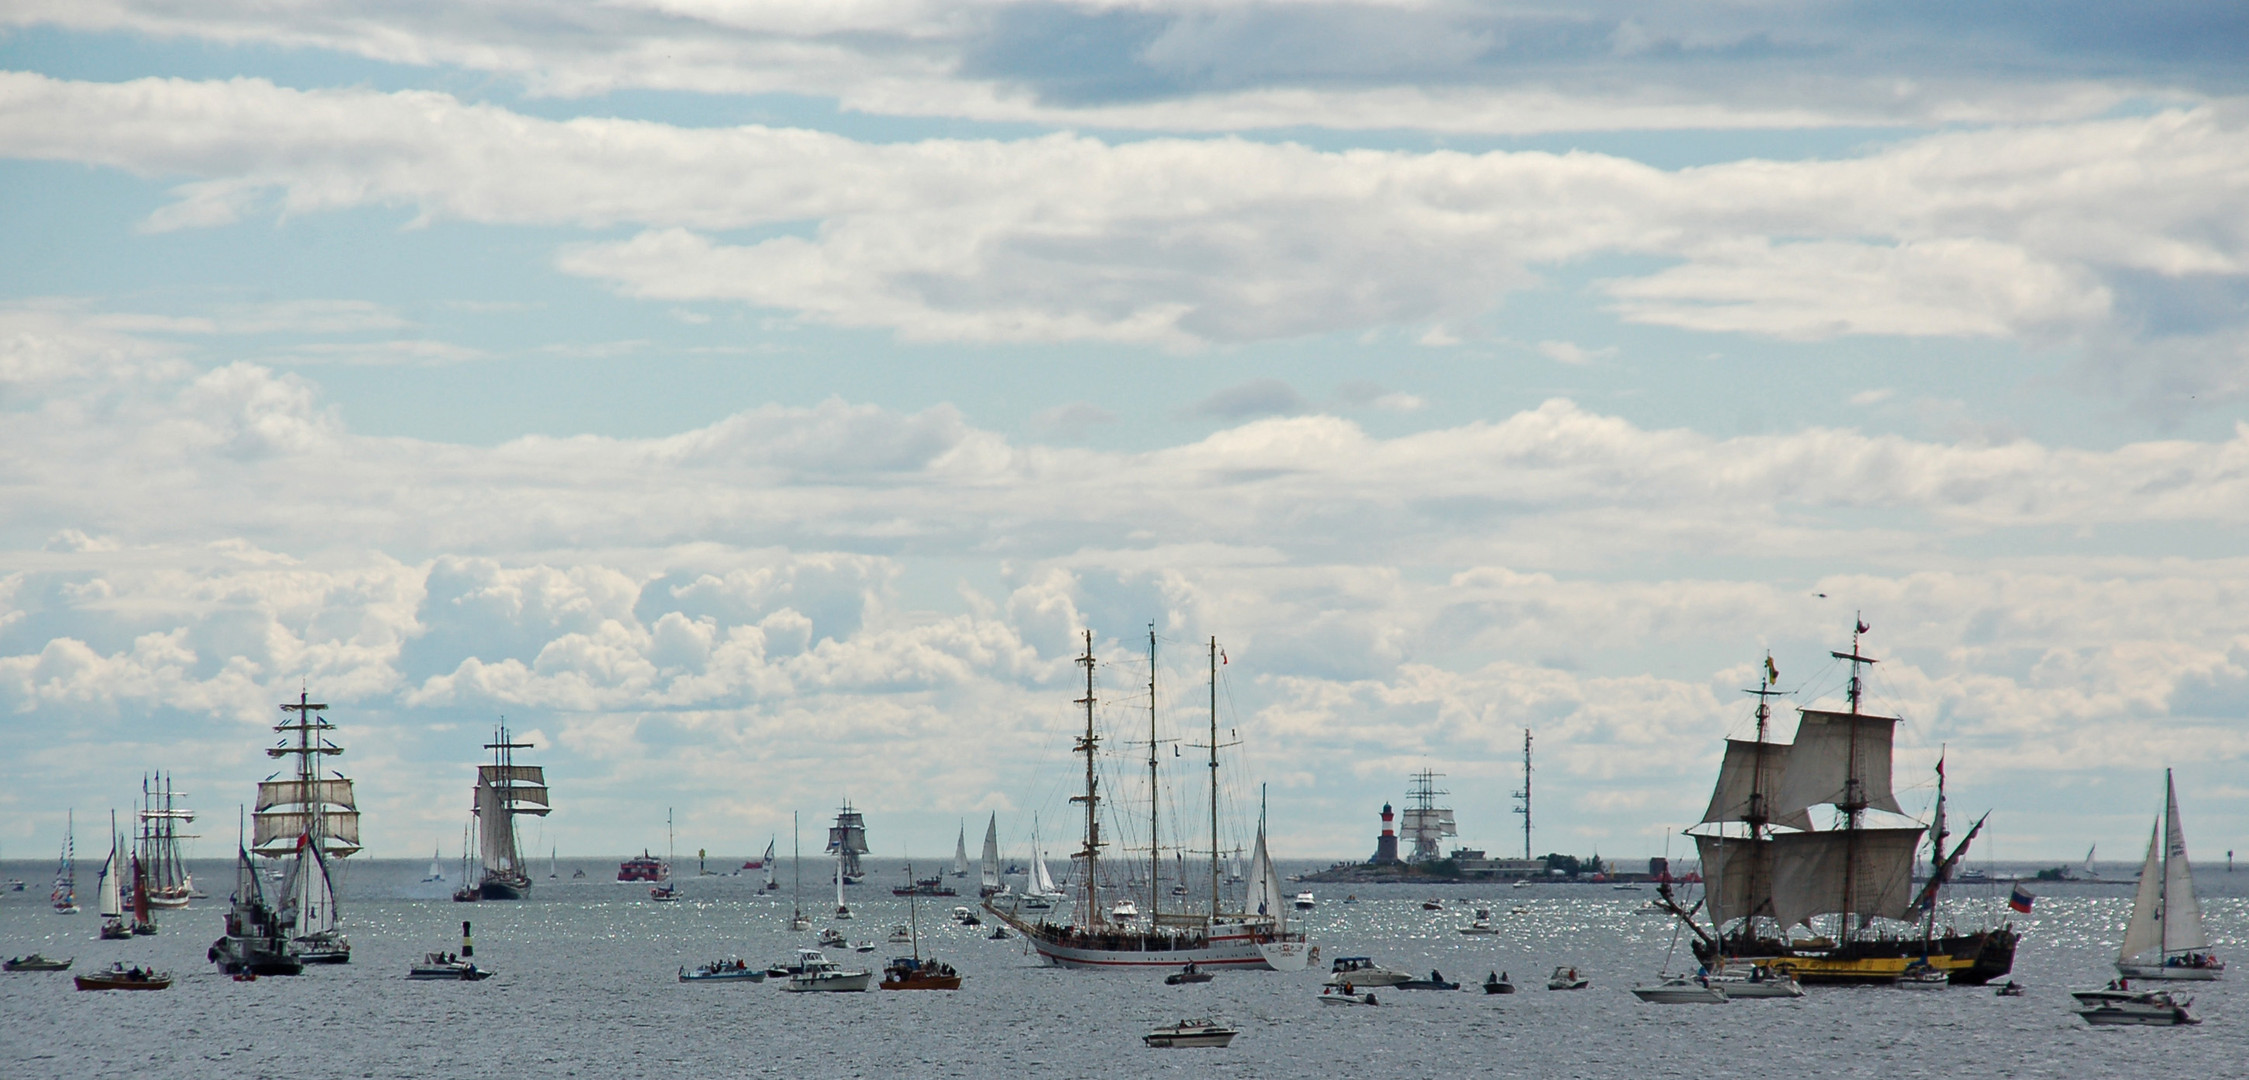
(1358, 971)
(816, 973)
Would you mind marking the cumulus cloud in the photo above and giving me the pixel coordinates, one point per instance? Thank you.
(2048, 235)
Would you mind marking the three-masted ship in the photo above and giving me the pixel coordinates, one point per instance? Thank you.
(169, 883)
(1767, 870)
(505, 789)
(308, 819)
(1256, 938)
(847, 840)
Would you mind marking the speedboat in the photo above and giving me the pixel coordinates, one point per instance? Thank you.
(1757, 982)
(816, 973)
(1433, 982)
(1303, 901)
(2145, 1008)
(1363, 971)
(864, 946)
(901, 936)
(1188, 974)
(1680, 990)
(1191, 1033)
(1481, 924)
(35, 962)
(1432, 905)
(120, 977)
(1125, 910)
(1338, 995)
(2010, 988)
(1919, 975)
(447, 966)
(730, 969)
(1497, 983)
(1567, 978)
(833, 938)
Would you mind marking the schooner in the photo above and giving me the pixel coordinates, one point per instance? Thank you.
(505, 789)
(169, 883)
(310, 819)
(1767, 870)
(1257, 938)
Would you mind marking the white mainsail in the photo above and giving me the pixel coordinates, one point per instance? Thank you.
(2145, 932)
(990, 868)
(2182, 915)
(960, 852)
(769, 867)
(1042, 882)
(310, 894)
(1266, 897)
(110, 892)
(843, 910)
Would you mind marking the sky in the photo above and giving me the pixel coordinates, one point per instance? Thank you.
(752, 403)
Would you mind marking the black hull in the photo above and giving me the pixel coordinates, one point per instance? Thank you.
(1968, 959)
(498, 889)
(237, 957)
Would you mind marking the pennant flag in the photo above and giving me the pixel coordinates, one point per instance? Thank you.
(2020, 900)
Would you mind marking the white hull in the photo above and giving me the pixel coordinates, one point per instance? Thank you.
(1738, 987)
(1677, 994)
(1233, 947)
(828, 982)
(2170, 974)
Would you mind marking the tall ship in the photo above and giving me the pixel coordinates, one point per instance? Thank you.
(504, 790)
(2165, 939)
(1767, 870)
(1256, 938)
(847, 840)
(169, 883)
(64, 898)
(1426, 823)
(308, 819)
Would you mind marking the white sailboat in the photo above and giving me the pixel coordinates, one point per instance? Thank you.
(436, 872)
(2165, 940)
(770, 885)
(843, 910)
(109, 890)
(310, 896)
(1042, 895)
(960, 852)
(990, 883)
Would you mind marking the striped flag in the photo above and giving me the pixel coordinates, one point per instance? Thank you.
(2020, 900)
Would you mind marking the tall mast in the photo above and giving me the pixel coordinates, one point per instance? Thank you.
(1214, 779)
(308, 769)
(1524, 796)
(1155, 846)
(1853, 803)
(1758, 817)
(796, 849)
(1089, 744)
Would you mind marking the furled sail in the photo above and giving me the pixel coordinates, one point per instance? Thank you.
(2145, 932)
(991, 864)
(1739, 779)
(1831, 750)
(1812, 871)
(1737, 877)
(2182, 914)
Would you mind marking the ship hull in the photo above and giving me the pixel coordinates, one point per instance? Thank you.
(249, 956)
(2169, 973)
(1232, 947)
(1966, 959)
(503, 888)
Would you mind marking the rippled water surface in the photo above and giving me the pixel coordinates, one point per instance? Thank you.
(586, 987)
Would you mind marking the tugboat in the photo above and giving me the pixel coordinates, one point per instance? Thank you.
(257, 935)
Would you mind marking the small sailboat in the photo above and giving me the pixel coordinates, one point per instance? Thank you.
(797, 920)
(64, 898)
(310, 897)
(990, 884)
(843, 910)
(916, 972)
(960, 853)
(144, 915)
(436, 871)
(664, 891)
(109, 891)
(2165, 939)
(1042, 895)
(554, 871)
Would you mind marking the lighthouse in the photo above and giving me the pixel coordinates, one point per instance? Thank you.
(1386, 847)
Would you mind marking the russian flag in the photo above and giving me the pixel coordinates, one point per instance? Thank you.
(2020, 900)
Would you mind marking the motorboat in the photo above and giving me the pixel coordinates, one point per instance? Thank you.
(1433, 982)
(1920, 975)
(833, 938)
(816, 973)
(910, 973)
(1757, 982)
(1567, 978)
(1185, 975)
(1498, 983)
(446, 966)
(901, 936)
(120, 977)
(1363, 971)
(1303, 901)
(35, 962)
(1432, 905)
(1480, 925)
(1681, 990)
(1125, 910)
(2010, 988)
(1191, 1033)
(730, 969)
(1343, 995)
(864, 946)
(2143, 1008)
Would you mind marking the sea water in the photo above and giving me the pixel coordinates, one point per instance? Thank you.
(586, 985)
